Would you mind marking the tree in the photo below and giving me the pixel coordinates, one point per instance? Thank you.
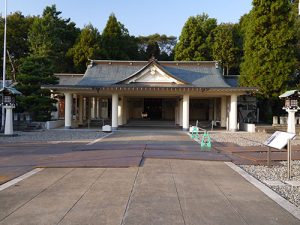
(196, 38)
(87, 47)
(152, 50)
(116, 41)
(34, 72)
(51, 36)
(269, 56)
(161, 46)
(225, 48)
(17, 40)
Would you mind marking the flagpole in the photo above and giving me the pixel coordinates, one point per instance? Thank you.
(4, 44)
(4, 63)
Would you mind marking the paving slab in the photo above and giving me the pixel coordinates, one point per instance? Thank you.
(199, 155)
(160, 191)
(262, 156)
(22, 193)
(105, 202)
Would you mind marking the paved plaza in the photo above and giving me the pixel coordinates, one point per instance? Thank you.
(131, 177)
(160, 191)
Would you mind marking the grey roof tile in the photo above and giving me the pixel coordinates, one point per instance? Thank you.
(198, 74)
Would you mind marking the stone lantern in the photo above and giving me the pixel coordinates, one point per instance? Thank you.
(9, 103)
(291, 106)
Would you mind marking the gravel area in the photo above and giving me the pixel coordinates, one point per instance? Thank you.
(77, 135)
(278, 173)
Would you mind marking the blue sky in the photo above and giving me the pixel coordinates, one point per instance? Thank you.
(140, 17)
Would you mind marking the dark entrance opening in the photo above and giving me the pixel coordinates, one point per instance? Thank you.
(153, 108)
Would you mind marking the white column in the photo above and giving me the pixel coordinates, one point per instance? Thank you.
(120, 112)
(114, 112)
(233, 113)
(97, 108)
(80, 113)
(223, 112)
(84, 108)
(93, 108)
(180, 113)
(185, 112)
(176, 114)
(291, 120)
(124, 111)
(68, 110)
(9, 128)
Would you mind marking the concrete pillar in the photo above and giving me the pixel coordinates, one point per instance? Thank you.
(120, 112)
(176, 114)
(68, 110)
(80, 110)
(114, 111)
(97, 108)
(186, 112)
(124, 111)
(9, 128)
(180, 113)
(291, 120)
(223, 112)
(93, 108)
(84, 108)
(233, 113)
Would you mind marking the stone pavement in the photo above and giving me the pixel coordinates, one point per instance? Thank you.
(120, 149)
(160, 191)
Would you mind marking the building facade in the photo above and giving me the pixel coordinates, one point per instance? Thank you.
(124, 91)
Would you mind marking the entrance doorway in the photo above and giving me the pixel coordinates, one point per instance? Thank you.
(153, 108)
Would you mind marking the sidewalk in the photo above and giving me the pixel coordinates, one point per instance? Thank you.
(160, 191)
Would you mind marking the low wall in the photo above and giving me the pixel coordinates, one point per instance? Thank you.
(54, 124)
(249, 127)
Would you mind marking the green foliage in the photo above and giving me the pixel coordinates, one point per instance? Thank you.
(159, 46)
(34, 72)
(87, 47)
(269, 56)
(116, 41)
(51, 36)
(196, 38)
(225, 47)
(17, 40)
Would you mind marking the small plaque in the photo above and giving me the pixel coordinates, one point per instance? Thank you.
(279, 139)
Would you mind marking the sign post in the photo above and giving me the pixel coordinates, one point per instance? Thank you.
(279, 140)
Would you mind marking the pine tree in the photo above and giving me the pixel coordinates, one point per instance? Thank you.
(51, 36)
(34, 72)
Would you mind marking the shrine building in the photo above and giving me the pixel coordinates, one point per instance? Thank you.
(119, 92)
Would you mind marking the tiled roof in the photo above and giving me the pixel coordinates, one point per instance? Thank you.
(195, 74)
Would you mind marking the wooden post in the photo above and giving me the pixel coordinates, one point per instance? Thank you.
(289, 156)
(269, 157)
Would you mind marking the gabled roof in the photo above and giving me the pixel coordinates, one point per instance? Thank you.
(153, 63)
(104, 73)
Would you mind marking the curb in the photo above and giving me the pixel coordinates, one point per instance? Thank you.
(295, 211)
(20, 178)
